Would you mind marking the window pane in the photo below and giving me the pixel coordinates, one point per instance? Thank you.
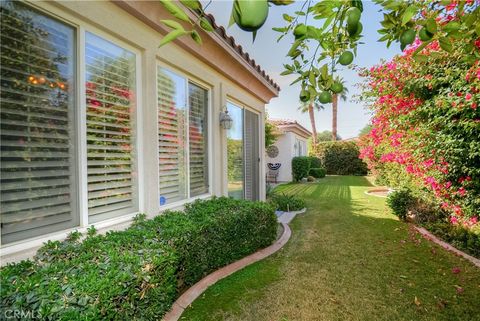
(235, 153)
(172, 135)
(110, 100)
(198, 140)
(36, 123)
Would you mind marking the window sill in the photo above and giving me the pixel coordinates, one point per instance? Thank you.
(26, 249)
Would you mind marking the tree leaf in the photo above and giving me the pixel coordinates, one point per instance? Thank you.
(192, 4)
(445, 44)
(172, 35)
(408, 14)
(172, 24)
(206, 25)
(195, 36)
(176, 11)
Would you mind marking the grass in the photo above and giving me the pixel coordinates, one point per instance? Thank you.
(348, 259)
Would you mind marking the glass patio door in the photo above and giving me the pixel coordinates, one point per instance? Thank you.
(243, 154)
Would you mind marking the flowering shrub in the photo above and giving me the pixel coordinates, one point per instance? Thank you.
(426, 126)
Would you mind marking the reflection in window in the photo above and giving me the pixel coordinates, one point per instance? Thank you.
(110, 99)
(172, 136)
(235, 157)
(37, 123)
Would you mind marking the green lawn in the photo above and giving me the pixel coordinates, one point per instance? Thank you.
(348, 259)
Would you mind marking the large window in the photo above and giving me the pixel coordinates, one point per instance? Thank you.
(37, 124)
(40, 158)
(182, 138)
(110, 100)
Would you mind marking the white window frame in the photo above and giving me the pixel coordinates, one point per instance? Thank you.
(209, 88)
(80, 170)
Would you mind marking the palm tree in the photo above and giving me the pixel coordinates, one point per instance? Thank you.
(310, 106)
(343, 96)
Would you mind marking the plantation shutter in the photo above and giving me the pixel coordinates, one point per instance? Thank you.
(172, 135)
(251, 141)
(198, 140)
(110, 100)
(36, 124)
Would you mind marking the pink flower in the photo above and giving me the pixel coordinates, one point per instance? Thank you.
(468, 96)
(453, 220)
(474, 220)
(456, 270)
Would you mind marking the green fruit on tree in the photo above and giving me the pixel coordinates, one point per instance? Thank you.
(424, 35)
(408, 37)
(325, 97)
(346, 58)
(359, 30)
(353, 15)
(300, 31)
(337, 87)
(250, 15)
(304, 96)
(352, 28)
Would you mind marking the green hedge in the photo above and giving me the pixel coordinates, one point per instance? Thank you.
(341, 158)
(300, 167)
(136, 274)
(315, 162)
(318, 172)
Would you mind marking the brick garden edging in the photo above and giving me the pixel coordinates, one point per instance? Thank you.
(429, 236)
(198, 288)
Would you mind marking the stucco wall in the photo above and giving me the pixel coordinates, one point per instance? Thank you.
(112, 22)
(286, 151)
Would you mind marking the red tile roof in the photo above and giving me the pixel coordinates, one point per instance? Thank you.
(289, 123)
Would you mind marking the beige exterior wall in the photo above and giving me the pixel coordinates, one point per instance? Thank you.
(286, 151)
(110, 21)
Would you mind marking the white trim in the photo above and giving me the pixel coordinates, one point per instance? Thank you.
(82, 132)
(25, 245)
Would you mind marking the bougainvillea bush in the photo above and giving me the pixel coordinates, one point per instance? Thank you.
(426, 126)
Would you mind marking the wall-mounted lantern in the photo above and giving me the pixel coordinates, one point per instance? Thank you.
(225, 120)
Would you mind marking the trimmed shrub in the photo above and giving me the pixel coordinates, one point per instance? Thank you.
(300, 167)
(318, 172)
(341, 158)
(136, 274)
(400, 201)
(458, 236)
(287, 203)
(310, 179)
(315, 162)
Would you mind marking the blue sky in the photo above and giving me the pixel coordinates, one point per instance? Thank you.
(352, 116)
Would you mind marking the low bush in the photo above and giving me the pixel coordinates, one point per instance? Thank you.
(311, 179)
(136, 274)
(287, 203)
(341, 158)
(315, 162)
(400, 201)
(300, 167)
(458, 236)
(318, 172)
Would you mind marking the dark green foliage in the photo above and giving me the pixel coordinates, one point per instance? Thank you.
(318, 172)
(400, 202)
(341, 158)
(287, 203)
(136, 274)
(315, 162)
(300, 167)
(458, 236)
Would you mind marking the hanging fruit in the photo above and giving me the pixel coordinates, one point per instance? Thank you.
(250, 15)
(346, 58)
(325, 97)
